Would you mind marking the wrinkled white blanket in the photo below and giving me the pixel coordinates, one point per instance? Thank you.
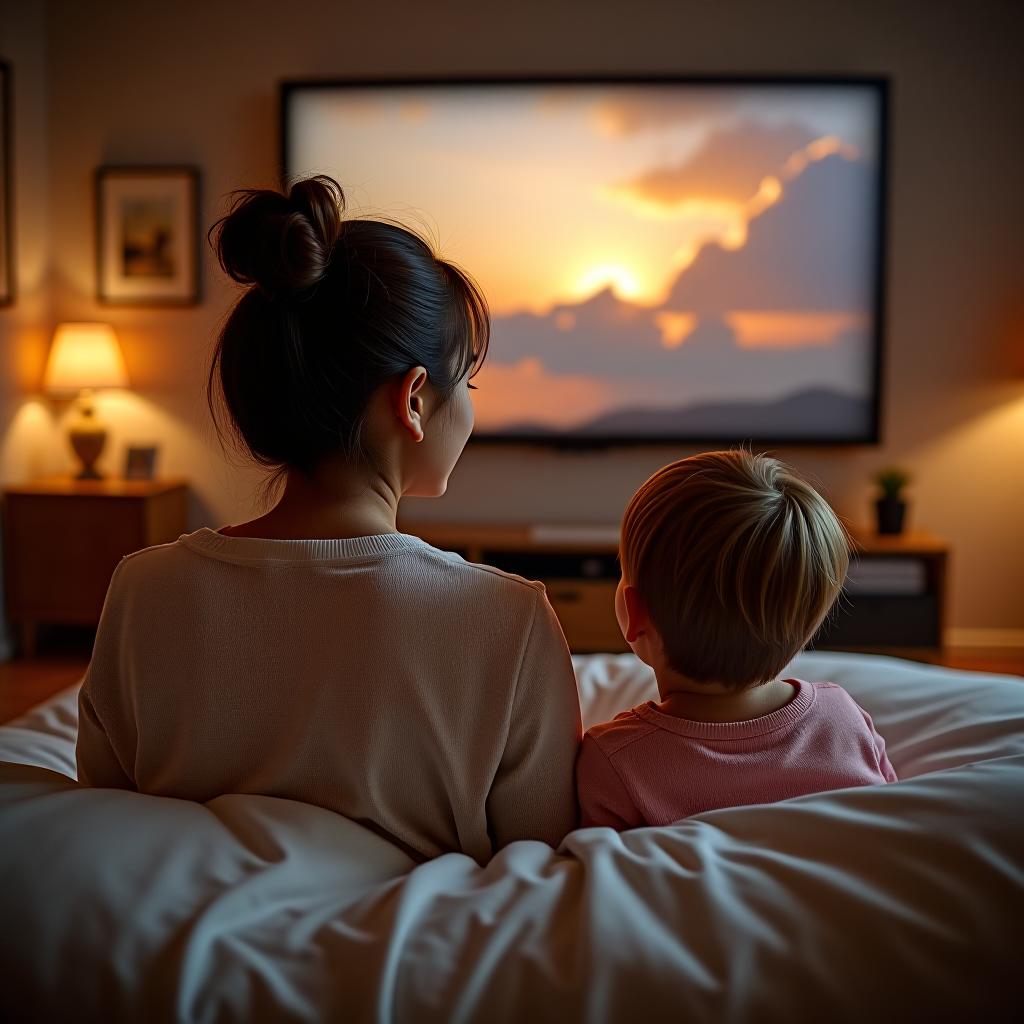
(896, 902)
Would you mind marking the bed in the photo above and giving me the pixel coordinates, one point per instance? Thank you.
(881, 903)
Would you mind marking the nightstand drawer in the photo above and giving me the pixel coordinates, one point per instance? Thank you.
(64, 538)
(62, 552)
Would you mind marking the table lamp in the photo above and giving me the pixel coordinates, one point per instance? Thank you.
(84, 357)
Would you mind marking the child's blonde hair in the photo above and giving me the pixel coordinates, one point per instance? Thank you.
(738, 560)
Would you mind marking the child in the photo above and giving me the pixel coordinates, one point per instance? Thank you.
(730, 562)
(315, 652)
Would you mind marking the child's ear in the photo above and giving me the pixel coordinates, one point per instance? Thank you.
(409, 401)
(637, 618)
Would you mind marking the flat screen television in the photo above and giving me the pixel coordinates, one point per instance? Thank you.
(684, 260)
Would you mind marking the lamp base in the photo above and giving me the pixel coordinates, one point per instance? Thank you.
(88, 445)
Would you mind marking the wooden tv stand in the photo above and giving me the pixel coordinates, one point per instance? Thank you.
(579, 566)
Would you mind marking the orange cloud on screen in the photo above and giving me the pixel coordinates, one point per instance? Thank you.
(728, 167)
(526, 392)
(771, 329)
(675, 327)
(628, 111)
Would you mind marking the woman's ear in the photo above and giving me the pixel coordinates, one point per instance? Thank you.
(409, 401)
(637, 617)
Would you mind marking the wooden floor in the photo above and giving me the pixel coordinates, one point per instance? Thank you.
(25, 683)
(62, 660)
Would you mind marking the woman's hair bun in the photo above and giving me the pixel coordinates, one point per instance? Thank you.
(283, 244)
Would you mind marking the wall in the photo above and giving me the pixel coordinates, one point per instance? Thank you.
(26, 427)
(195, 82)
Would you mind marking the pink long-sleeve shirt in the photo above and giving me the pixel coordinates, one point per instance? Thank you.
(648, 768)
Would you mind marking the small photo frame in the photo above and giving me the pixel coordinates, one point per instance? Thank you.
(140, 462)
(147, 236)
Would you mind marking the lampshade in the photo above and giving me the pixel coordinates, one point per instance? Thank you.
(84, 356)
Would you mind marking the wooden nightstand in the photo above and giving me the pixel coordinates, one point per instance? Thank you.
(64, 537)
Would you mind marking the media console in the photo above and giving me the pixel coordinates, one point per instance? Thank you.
(894, 601)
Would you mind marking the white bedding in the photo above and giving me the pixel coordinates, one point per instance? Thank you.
(896, 902)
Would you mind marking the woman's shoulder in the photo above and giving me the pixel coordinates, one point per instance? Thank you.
(152, 560)
(483, 577)
(426, 577)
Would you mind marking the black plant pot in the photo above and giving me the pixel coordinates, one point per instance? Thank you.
(890, 513)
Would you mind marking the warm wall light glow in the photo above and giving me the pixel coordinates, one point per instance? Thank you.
(84, 355)
(31, 444)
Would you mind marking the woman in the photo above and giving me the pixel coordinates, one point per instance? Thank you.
(315, 652)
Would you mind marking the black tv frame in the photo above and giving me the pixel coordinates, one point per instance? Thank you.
(879, 83)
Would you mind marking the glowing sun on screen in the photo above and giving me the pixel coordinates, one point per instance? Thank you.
(623, 281)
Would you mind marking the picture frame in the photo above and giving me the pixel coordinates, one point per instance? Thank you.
(140, 462)
(6, 187)
(147, 235)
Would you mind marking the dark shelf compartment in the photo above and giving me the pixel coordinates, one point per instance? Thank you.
(540, 565)
(887, 620)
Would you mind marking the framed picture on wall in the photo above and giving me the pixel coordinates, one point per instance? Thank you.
(147, 235)
(6, 184)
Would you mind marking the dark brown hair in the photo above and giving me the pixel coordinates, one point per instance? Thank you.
(334, 309)
(738, 560)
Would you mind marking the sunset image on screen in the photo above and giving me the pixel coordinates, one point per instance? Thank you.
(661, 261)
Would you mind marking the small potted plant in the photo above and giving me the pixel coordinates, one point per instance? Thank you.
(890, 506)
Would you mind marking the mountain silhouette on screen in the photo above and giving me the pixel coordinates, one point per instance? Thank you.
(814, 412)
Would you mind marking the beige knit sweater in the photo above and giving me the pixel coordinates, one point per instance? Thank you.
(428, 698)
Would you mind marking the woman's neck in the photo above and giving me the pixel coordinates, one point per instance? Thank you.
(334, 502)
